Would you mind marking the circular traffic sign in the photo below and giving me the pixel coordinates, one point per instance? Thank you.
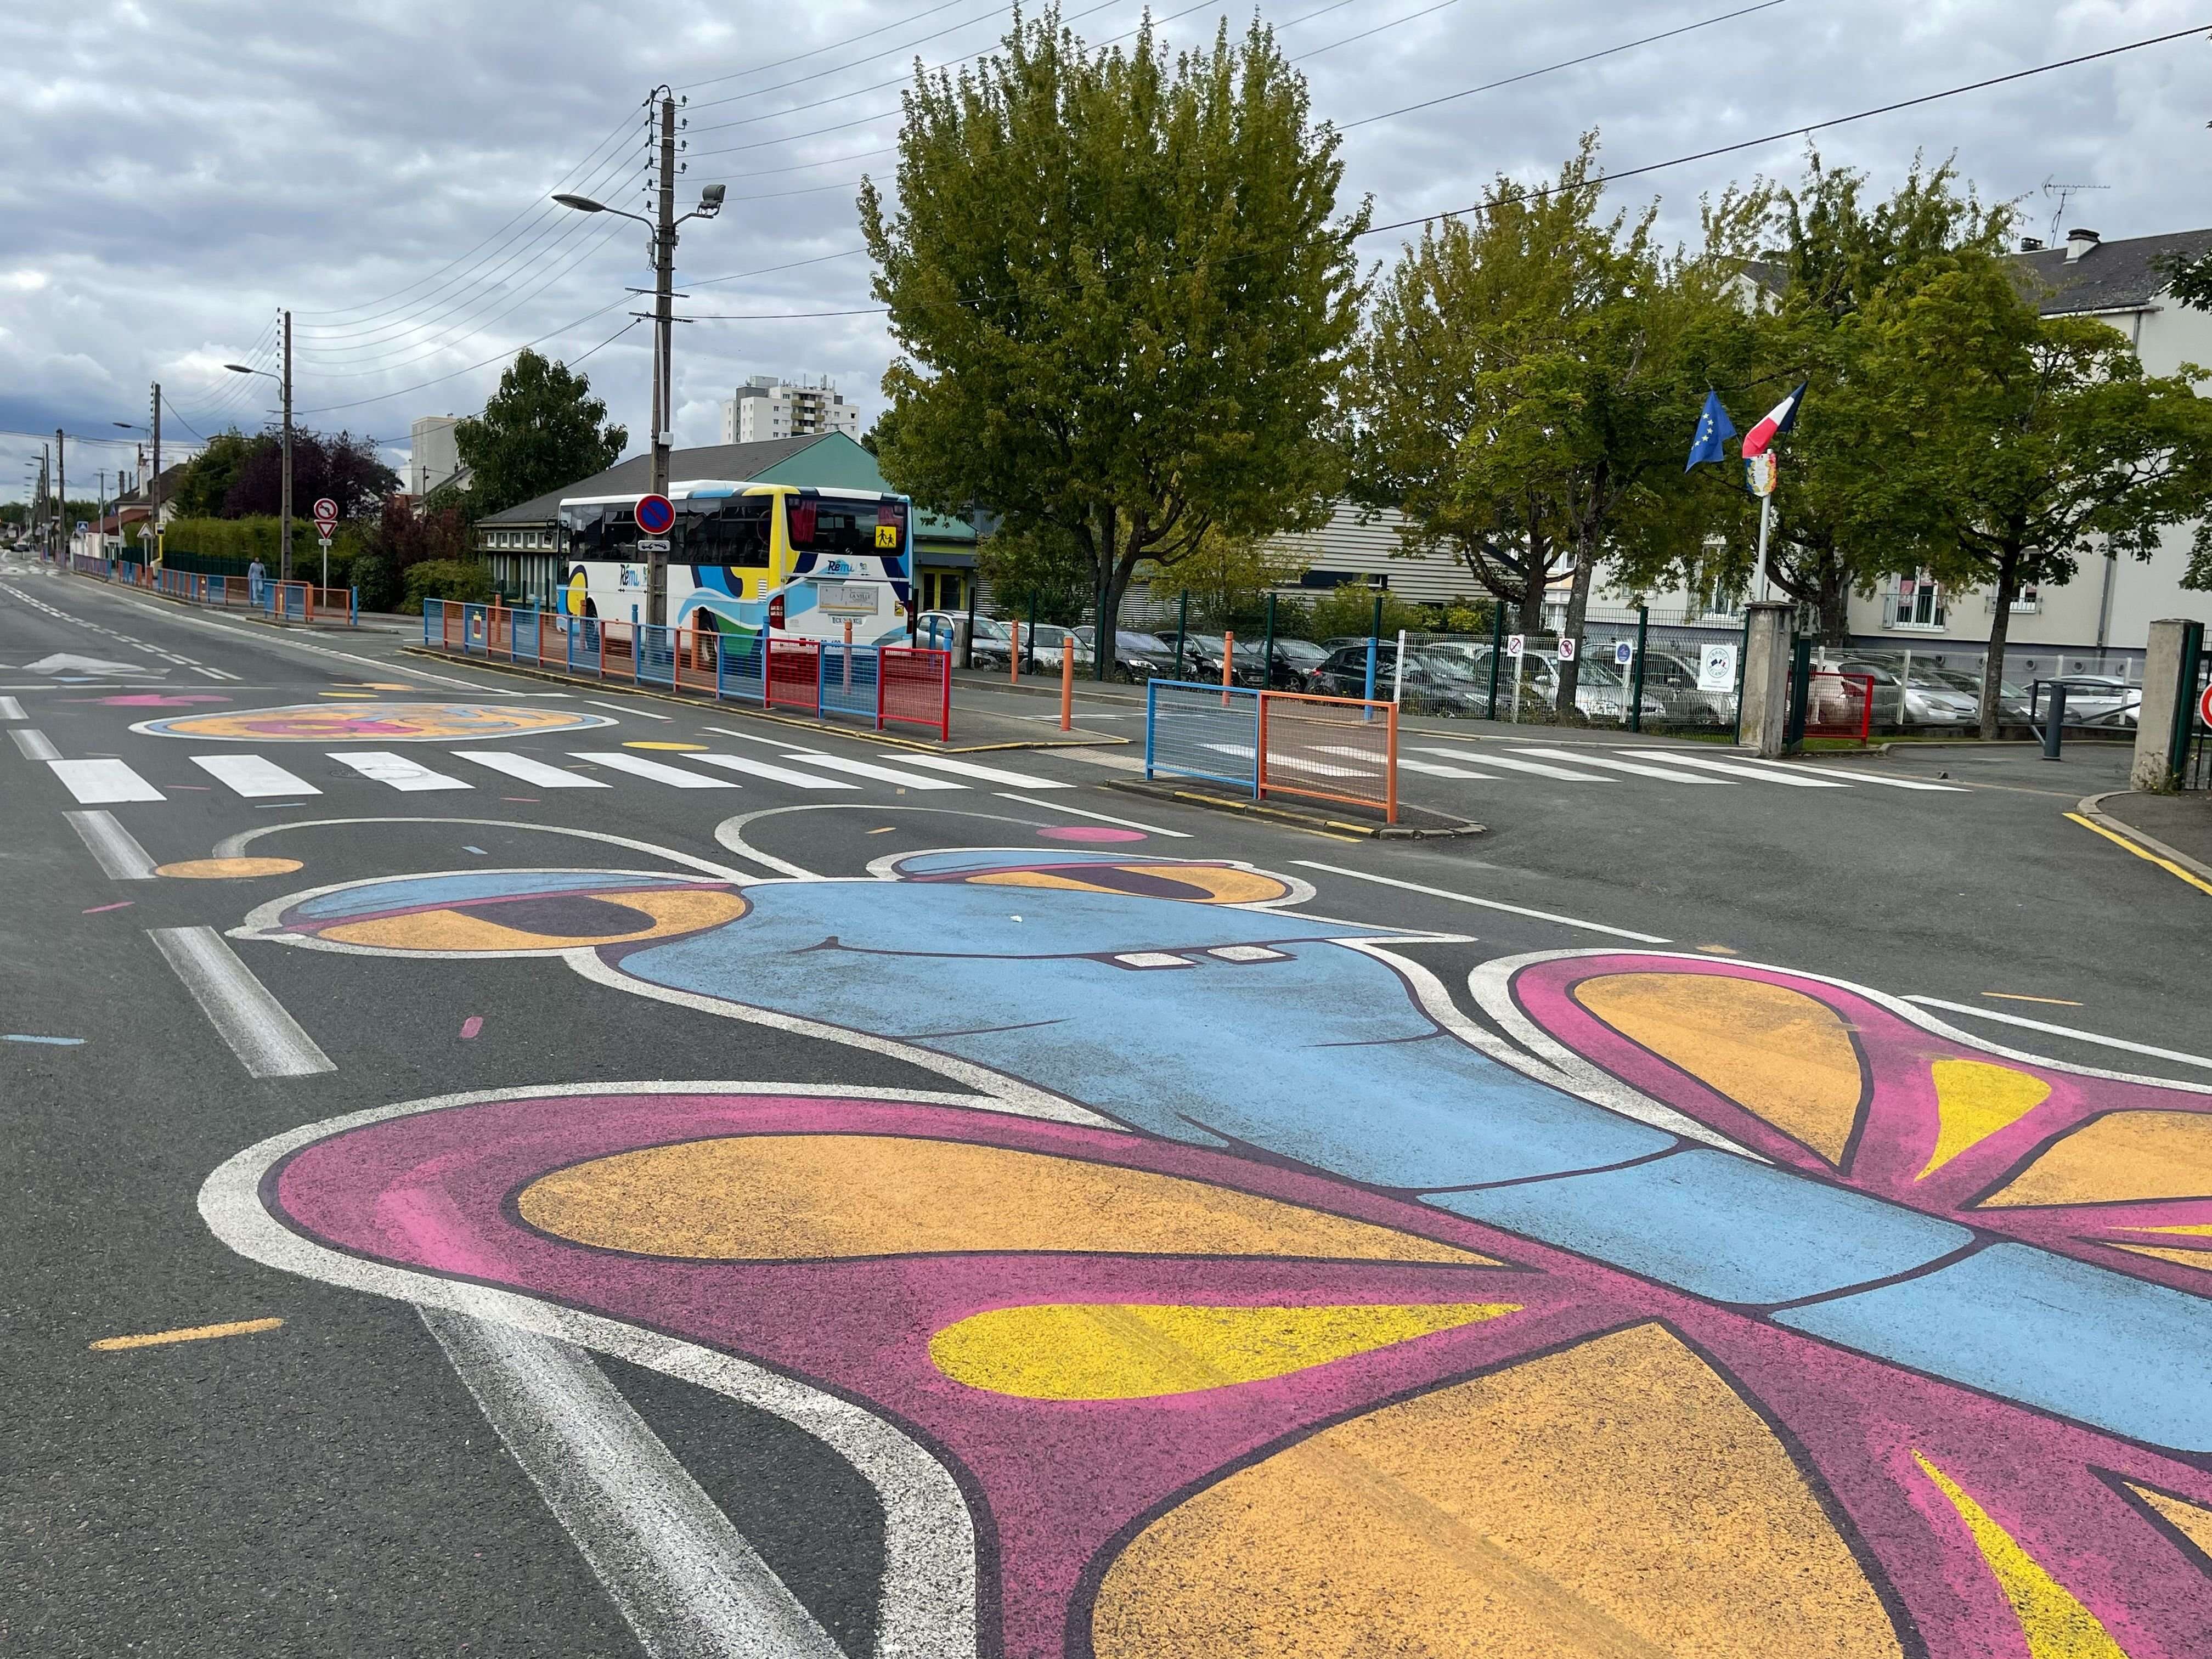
(326, 511)
(2204, 706)
(655, 515)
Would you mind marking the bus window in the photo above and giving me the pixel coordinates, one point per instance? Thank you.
(598, 531)
(847, 528)
(731, 531)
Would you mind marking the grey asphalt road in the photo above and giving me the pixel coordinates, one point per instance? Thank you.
(331, 1485)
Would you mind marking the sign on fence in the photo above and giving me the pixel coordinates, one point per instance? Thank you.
(1515, 644)
(1567, 647)
(1624, 653)
(1717, 668)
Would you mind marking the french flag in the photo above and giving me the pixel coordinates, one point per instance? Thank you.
(1778, 420)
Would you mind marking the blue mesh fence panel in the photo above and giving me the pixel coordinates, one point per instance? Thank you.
(848, 680)
(1196, 731)
(656, 655)
(742, 668)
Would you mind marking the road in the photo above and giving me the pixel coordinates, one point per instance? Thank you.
(595, 1176)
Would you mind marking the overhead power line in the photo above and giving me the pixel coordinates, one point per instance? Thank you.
(1377, 29)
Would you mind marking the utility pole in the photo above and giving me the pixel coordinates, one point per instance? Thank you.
(61, 469)
(154, 491)
(100, 507)
(663, 281)
(285, 512)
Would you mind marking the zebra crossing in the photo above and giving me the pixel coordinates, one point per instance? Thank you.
(108, 781)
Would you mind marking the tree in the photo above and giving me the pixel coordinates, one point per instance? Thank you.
(1045, 565)
(2190, 280)
(401, 539)
(343, 467)
(201, 484)
(1227, 577)
(2040, 440)
(1527, 383)
(542, 430)
(1120, 297)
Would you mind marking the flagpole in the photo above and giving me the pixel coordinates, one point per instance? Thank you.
(1759, 569)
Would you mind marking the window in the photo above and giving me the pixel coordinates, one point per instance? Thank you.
(846, 528)
(733, 531)
(1917, 603)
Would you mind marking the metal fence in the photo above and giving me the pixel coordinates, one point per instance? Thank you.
(1340, 749)
(1206, 732)
(300, 602)
(882, 684)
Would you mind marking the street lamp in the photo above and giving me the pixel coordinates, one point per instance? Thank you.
(662, 228)
(284, 380)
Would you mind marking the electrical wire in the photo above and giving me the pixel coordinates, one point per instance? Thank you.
(1377, 29)
(850, 40)
(888, 51)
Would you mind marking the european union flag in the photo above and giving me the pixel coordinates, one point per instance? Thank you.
(1714, 429)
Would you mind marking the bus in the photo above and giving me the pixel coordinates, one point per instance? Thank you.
(748, 558)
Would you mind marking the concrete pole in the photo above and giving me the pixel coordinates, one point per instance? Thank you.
(2162, 682)
(1766, 707)
(153, 553)
(284, 512)
(664, 276)
(61, 473)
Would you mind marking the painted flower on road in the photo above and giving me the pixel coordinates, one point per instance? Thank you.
(386, 722)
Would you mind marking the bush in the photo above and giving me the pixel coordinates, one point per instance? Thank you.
(445, 579)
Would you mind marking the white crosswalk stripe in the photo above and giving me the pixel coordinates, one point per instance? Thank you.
(1632, 767)
(253, 776)
(1539, 767)
(674, 776)
(773, 773)
(881, 773)
(10, 709)
(1876, 777)
(987, 773)
(1435, 770)
(382, 766)
(1291, 763)
(34, 744)
(527, 770)
(1735, 769)
(98, 782)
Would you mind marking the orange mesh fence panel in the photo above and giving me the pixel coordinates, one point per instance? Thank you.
(914, 687)
(1340, 749)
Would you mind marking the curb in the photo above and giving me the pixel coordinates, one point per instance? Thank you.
(1292, 816)
(2091, 807)
(749, 711)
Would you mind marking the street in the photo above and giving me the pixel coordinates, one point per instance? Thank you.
(637, 1178)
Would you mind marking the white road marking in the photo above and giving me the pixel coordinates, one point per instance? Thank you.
(861, 768)
(674, 776)
(253, 776)
(1434, 769)
(1734, 769)
(1102, 817)
(1109, 758)
(382, 766)
(775, 773)
(690, 1586)
(1634, 769)
(529, 770)
(267, 1040)
(1863, 777)
(1486, 904)
(1291, 763)
(772, 742)
(10, 709)
(96, 783)
(628, 709)
(213, 673)
(2026, 1024)
(114, 848)
(988, 774)
(1539, 767)
(35, 744)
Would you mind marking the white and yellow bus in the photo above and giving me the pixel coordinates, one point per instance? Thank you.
(748, 558)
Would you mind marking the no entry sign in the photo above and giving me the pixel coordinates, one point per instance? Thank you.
(655, 515)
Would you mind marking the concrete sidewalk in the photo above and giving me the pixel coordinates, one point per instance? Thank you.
(2179, 824)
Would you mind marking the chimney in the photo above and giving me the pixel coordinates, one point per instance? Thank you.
(2079, 242)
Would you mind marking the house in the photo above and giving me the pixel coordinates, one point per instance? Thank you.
(126, 529)
(520, 547)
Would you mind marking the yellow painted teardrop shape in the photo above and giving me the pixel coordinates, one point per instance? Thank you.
(1974, 1099)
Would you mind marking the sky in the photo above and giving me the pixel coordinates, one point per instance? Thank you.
(172, 175)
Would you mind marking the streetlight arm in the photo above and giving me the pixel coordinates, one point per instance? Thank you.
(586, 204)
(240, 368)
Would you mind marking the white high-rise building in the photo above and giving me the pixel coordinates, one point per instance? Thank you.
(433, 455)
(766, 407)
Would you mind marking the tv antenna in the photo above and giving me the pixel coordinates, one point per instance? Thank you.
(2062, 193)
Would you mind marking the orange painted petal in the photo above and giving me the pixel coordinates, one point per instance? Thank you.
(2120, 1157)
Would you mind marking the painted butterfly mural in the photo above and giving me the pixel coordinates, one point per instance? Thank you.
(1244, 1295)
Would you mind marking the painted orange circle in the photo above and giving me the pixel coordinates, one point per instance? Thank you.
(226, 869)
(379, 721)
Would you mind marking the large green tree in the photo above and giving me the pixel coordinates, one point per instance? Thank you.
(2040, 440)
(199, 488)
(1122, 295)
(541, 431)
(1525, 386)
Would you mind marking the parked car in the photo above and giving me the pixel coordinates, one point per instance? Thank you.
(1672, 679)
(1600, 692)
(988, 645)
(1137, 656)
(2012, 699)
(2094, 700)
(1924, 700)
(1294, 663)
(1201, 659)
(1434, 682)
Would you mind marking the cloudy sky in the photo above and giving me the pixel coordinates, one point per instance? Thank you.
(175, 172)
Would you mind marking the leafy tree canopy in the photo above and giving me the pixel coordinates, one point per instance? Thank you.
(1121, 296)
(240, 475)
(540, 431)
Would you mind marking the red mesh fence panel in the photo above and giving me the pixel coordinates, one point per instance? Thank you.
(794, 675)
(915, 689)
(1839, 705)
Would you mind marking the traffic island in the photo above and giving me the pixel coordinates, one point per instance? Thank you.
(1414, 822)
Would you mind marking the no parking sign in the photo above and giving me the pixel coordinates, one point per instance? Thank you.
(655, 514)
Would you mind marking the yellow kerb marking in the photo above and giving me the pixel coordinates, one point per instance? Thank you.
(2119, 1157)
(1111, 1350)
(811, 1197)
(2016, 996)
(189, 1333)
(2167, 865)
(1974, 1099)
(226, 869)
(2055, 1625)
(1775, 1052)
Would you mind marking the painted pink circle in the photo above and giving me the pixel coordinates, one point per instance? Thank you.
(1084, 832)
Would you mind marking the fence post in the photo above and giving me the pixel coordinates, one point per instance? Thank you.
(1374, 640)
(1497, 651)
(1183, 628)
(353, 607)
(1260, 745)
(1228, 663)
(1636, 691)
(1390, 772)
(1398, 670)
(945, 706)
(1152, 715)
(1267, 649)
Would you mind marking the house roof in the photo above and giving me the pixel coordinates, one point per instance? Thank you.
(138, 497)
(2121, 276)
(830, 460)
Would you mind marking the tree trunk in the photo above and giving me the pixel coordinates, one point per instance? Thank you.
(1578, 607)
(1529, 619)
(2000, 628)
(1834, 599)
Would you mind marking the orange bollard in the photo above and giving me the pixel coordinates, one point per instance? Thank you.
(1067, 686)
(1014, 659)
(1228, 661)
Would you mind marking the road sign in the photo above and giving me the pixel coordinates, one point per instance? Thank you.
(652, 544)
(1567, 648)
(1624, 653)
(326, 512)
(1717, 668)
(2204, 707)
(655, 516)
(1515, 644)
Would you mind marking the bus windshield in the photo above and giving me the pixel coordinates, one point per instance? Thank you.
(844, 526)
